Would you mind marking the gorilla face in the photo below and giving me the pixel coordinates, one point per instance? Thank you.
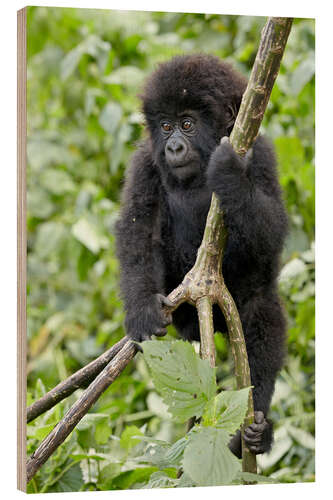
(179, 135)
(182, 144)
(189, 103)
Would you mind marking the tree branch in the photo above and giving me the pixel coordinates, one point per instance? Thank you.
(80, 408)
(266, 67)
(255, 99)
(81, 378)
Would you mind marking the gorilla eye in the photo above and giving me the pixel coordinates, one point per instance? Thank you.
(187, 124)
(166, 127)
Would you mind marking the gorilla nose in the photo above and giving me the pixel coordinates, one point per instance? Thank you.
(176, 150)
(175, 147)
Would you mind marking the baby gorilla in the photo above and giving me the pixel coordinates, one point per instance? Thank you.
(190, 103)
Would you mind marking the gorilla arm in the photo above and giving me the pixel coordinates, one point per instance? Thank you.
(250, 198)
(141, 270)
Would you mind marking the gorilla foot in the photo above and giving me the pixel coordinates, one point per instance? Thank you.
(259, 435)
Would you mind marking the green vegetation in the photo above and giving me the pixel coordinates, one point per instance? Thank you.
(85, 69)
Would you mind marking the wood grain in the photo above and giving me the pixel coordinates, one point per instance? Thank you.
(21, 246)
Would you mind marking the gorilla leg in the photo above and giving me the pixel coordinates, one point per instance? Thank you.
(264, 329)
(185, 319)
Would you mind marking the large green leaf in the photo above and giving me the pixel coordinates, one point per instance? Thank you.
(161, 480)
(227, 410)
(70, 480)
(185, 381)
(207, 458)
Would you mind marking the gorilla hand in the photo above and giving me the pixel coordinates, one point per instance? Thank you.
(258, 436)
(226, 175)
(151, 318)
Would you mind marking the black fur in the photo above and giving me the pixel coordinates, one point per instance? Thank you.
(165, 208)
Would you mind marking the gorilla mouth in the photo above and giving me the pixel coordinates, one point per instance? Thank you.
(189, 163)
(182, 165)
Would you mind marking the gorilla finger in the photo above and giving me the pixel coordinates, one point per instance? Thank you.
(164, 301)
(166, 320)
(253, 443)
(257, 427)
(227, 149)
(138, 346)
(225, 140)
(259, 417)
(254, 438)
(145, 336)
(160, 332)
(229, 155)
(250, 432)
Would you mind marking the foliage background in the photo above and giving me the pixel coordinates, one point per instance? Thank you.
(85, 69)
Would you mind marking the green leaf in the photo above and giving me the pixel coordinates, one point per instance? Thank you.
(40, 389)
(302, 437)
(91, 419)
(128, 438)
(282, 444)
(103, 431)
(40, 432)
(227, 410)
(302, 74)
(88, 456)
(92, 45)
(157, 406)
(175, 452)
(110, 117)
(107, 474)
(42, 153)
(307, 292)
(71, 480)
(70, 62)
(129, 76)
(290, 153)
(155, 454)
(50, 236)
(130, 478)
(292, 269)
(184, 381)
(57, 181)
(207, 458)
(39, 203)
(161, 480)
(85, 232)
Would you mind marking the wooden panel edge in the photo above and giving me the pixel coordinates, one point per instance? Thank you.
(21, 245)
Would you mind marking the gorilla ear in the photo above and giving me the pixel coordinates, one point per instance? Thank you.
(231, 113)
